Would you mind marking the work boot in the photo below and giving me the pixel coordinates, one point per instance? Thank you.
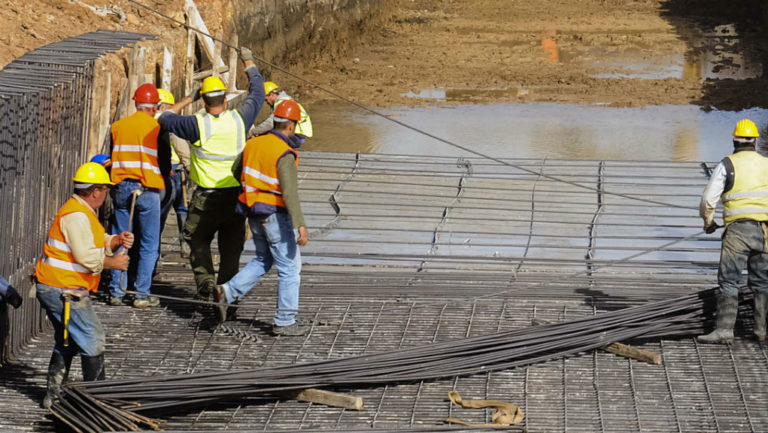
(761, 307)
(58, 370)
(727, 308)
(221, 299)
(207, 290)
(293, 330)
(140, 303)
(93, 367)
(153, 301)
(115, 301)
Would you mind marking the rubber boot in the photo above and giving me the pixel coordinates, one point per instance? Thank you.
(58, 371)
(184, 251)
(727, 308)
(761, 308)
(93, 368)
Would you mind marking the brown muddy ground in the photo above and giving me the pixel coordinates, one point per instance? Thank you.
(482, 51)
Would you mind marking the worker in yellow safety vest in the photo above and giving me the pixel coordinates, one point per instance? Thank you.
(70, 269)
(274, 96)
(270, 197)
(740, 181)
(217, 138)
(140, 162)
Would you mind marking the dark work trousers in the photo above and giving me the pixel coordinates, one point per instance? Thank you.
(211, 212)
(745, 245)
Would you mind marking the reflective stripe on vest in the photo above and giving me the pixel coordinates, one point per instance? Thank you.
(222, 139)
(748, 198)
(261, 184)
(57, 267)
(134, 151)
(304, 126)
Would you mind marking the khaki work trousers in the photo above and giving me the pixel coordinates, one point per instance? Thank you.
(211, 212)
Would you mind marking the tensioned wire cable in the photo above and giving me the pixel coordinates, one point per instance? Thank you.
(405, 125)
(442, 140)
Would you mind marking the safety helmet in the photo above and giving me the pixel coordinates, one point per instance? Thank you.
(92, 173)
(146, 94)
(288, 109)
(269, 87)
(213, 86)
(745, 128)
(102, 159)
(166, 97)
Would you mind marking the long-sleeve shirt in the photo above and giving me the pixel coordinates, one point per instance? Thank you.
(712, 193)
(181, 147)
(288, 175)
(76, 228)
(185, 127)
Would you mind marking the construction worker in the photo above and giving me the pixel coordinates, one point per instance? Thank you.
(741, 182)
(270, 198)
(77, 250)
(274, 96)
(217, 138)
(176, 195)
(9, 294)
(140, 161)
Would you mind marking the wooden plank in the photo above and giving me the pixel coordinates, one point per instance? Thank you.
(233, 58)
(195, 20)
(135, 74)
(189, 64)
(165, 82)
(328, 398)
(628, 351)
(208, 72)
(217, 54)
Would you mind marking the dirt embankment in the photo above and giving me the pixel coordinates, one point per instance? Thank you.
(614, 52)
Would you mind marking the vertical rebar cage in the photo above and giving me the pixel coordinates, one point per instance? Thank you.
(45, 101)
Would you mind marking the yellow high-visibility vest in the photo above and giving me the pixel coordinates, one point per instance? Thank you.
(748, 199)
(304, 125)
(222, 139)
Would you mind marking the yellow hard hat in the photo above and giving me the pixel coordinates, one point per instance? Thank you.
(745, 128)
(93, 173)
(269, 87)
(213, 84)
(166, 97)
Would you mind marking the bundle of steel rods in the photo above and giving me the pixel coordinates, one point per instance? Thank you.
(114, 404)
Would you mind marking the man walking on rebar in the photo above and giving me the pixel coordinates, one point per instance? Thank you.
(70, 268)
(218, 138)
(741, 182)
(140, 161)
(270, 198)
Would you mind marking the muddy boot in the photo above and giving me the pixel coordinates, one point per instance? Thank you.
(58, 370)
(727, 308)
(207, 290)
(93, 368)
(761, 307)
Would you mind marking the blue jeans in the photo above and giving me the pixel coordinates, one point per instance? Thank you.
(146, 230)
(84, 327)
(177, 199)
(744, 246)
(275, 242)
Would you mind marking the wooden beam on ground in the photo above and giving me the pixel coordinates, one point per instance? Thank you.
(328, 398)
(628, 351)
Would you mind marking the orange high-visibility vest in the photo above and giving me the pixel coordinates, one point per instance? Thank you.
(134, 151)
(57, 267)
(261, 185)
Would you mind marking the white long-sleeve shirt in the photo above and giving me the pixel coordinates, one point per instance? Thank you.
(76, 228)
(712, 193)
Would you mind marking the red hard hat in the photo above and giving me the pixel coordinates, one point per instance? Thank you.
(146, 94)
(288, 109)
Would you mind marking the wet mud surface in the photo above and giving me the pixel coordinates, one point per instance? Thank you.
(615, 53)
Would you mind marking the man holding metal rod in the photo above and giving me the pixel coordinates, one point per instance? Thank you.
(741, 182)
(70, 269)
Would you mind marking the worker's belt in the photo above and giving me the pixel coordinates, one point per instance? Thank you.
(143, 188)
(213, 190)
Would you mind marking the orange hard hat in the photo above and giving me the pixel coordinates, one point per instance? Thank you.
(146, 94)
(288, 109)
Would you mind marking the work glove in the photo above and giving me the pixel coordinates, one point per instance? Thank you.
(195, 93)
(246, 54)
(12, 297)
(710, 228)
